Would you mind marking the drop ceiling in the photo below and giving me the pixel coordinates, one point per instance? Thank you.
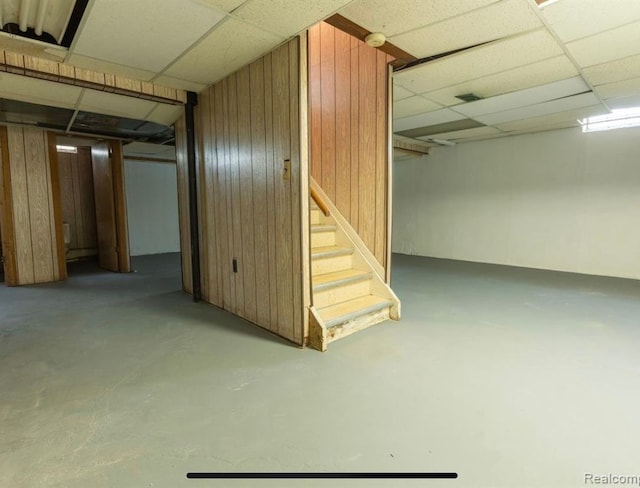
(535, 69)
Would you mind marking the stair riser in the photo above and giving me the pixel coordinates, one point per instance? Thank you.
(348, 328)
(322, 239)
(329, 265)
(316, 217)
(340, 294)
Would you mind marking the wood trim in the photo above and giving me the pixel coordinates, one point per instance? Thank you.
(120, 200)
(305, 257)
(353, 29)
(149, 160)
(6, 213)
(390, 145)
(56, 201)
(32, 67)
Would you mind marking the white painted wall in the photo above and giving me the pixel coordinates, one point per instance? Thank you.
(559, 200)
(152, 207)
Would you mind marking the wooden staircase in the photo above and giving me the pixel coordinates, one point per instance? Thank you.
(348, 292)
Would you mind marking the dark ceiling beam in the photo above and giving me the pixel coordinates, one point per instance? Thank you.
(345, 25)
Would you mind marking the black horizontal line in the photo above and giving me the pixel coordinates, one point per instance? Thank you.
(322, 475)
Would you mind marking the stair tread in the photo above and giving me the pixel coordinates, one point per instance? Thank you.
(336, 278)
(351, 309)
(329, 251)
(322, 228)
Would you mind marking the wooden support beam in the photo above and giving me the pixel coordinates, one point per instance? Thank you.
(412, 146)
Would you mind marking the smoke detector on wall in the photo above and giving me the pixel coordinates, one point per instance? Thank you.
(375, 39)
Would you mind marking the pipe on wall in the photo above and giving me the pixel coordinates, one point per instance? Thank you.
(192, 102)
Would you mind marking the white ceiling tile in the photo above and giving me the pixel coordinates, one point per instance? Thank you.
(400, 93)
(226, 5)
(422, 120)
(523, 98)
(146, 149)
(231, 46)
(398, 16)
(568, 116)
(496, 21)
(465, 133)
(33, 90)
(574, 19)
(287, 18)
(413, 105)
(534, 74)
(166, 114)
(624, 102)
(626, 88)
(482, 61)
(180, 84)
(112, 104)
(144, 34)
(610, 45)
(545, 108)
(10, 42)
(106, 67)
(621, 69)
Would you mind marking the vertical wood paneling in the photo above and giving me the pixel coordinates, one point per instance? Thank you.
(105, 208)
(183, 202)
(259, 190)
(120, 204)
(6, 213)
(203, 125)
(245, 172)
(328, 108)
(254, 127)
(77, 200)
(349, 138)
(34, 219)
(210, 197)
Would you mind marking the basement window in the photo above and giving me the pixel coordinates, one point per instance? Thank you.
(617, 119)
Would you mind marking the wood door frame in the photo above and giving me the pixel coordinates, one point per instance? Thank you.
(116, 160)
(56, 199)
(6, 214)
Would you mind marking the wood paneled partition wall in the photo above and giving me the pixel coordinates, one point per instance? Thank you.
(253, 187)
(32, 222)
(349, 136)
(78, 205)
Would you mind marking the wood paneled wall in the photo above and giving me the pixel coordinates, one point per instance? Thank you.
(248, 125)
(31, 177)
(78, 205)
(348, 94)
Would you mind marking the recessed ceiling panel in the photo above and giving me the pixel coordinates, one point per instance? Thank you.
(400, 93)
(568, 116)
(621, 69)
(496, 21)
(231, 46)
(19, 112)
(23, 88)
(426, 119)
(610, 45)
(180, 84)
(626, 88)
(574, 19)
(112, 104)
(399, 16)
(520, 78)
(166, 114)
(624, 102)
(148, 150)
(413, 105)
(553, 106)
(479, 62)
(523, 98)
(144, 34)
(430, 130)
(287, 18)
(225, 5)
(466, 133)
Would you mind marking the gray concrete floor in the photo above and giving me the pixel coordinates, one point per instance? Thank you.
(510, 377)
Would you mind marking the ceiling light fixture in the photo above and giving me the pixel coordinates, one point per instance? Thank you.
(375, 39)
(545, 3)
(67, 149)
(617, 119)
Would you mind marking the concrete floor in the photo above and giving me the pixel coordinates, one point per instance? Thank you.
(510, 377)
